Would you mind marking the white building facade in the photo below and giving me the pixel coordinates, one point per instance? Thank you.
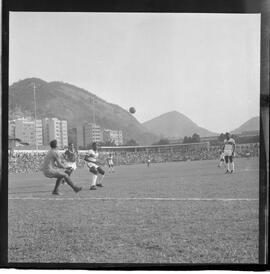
(55, 129)
(27, 130)
(115, 136)
(89, 133)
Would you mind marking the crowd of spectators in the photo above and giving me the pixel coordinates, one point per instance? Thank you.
(31, 162)
(25, 162)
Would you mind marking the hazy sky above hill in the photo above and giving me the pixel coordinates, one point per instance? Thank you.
(206, 66)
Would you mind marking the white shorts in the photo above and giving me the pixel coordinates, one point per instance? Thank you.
(71, 164)
(227, 153)
(110, 162)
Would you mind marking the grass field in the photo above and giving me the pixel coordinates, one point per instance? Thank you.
(181, 212)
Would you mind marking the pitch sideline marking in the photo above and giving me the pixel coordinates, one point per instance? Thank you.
(131, 199)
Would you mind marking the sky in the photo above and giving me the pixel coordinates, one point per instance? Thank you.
(206, 66)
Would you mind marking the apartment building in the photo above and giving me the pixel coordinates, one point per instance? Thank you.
(27, 130)
(54, 128)
(89, 133)
(115, 136)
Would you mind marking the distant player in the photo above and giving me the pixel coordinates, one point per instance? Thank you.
(52, 168)
(247, 154)
(94, 167)
(148, 161)
(229, 150)
(221, 159)
(110, 162)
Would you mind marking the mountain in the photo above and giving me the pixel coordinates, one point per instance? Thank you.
(250, 125)
(68, 102)
(175, 124)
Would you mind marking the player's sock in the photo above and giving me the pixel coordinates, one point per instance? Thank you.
(232, 166)
(228, 167)
(94, 180)
(100, 181)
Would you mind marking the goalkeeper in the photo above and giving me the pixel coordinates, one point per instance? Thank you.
(52, 169)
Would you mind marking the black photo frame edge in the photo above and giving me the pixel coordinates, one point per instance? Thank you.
(195, 6)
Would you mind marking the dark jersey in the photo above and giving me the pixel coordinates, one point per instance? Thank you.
(70, 156)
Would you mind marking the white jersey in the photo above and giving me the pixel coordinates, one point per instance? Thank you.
(93, 155)
(229, 147)
(110, 160)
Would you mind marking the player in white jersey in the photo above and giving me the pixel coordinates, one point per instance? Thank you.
(229, 150)
(148, 161)
(94, 167)
(110, 162)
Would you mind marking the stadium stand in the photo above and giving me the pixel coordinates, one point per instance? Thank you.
(30, 161)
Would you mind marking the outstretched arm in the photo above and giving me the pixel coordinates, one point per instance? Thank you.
(233, 149)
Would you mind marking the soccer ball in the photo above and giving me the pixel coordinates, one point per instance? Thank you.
(132, 110)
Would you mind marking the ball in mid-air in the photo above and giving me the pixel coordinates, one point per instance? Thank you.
(132, 110)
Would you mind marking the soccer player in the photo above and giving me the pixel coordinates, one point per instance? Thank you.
(148, 161)
(94, 167)
(221, 159)
(229, 150)
(71, 156)
(247, 155)
(52, 169)
(110, 162)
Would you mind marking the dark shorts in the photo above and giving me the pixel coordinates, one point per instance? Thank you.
(96, 170)
(228, 158)
(55, 173)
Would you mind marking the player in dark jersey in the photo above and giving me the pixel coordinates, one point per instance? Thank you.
(52, 168)
(71, 156)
